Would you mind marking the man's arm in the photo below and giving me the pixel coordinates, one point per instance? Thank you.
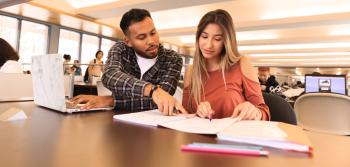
(115, 79)
(171, 78)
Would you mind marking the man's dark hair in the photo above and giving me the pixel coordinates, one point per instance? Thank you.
(132, 16)
(7, 52)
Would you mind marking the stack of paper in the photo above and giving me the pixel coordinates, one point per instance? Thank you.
(265, 133)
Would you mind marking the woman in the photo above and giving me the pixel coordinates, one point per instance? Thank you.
(9, 59)
(96, 65)
(66, 65)
(76, 68)
(222, 83)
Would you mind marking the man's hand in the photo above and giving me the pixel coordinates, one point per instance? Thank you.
(166, 103)
(247, 111)
(91, 101)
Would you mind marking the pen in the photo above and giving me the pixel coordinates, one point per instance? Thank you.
(175, 111)
(210, 117)
(251, 152)
(226, 146)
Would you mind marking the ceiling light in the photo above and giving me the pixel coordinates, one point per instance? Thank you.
(242, 36)
(301, 60)
(187, 39)
(301, 54)
(340, 32)
(304, 8)
(296, 46)
(87, 3)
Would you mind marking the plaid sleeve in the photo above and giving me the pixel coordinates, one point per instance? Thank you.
(116, 79)
(170, 80)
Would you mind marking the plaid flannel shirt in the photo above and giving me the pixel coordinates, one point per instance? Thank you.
(123, 77)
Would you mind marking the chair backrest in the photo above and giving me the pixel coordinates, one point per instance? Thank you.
(102, 90)
(324, 112)
(16, 87)
(280, 109)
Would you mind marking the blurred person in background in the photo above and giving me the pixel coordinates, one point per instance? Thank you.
(66, 67)
(76, 68)
(267, 81)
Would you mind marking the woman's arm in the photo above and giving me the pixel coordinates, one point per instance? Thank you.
(256, 107)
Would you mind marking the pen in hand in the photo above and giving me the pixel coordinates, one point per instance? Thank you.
(210, 116)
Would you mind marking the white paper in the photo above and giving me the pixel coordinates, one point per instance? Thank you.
(264, 133)
(18, 116)
(150, 118)
(200, 125)
(13, 114)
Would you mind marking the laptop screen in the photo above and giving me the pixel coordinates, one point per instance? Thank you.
(325, 83)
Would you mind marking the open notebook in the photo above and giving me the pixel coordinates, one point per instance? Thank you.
(185, 123)
(265, 133)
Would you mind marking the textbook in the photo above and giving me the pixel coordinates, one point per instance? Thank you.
(264, 133)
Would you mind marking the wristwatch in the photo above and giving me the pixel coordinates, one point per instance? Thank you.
(154, 88)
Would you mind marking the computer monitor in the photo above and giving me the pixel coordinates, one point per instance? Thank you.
(325, 83)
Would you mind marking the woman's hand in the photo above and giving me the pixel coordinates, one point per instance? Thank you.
(204, 110)
(247, 111)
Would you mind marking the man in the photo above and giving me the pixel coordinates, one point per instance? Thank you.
(267, 82)
(141, 74)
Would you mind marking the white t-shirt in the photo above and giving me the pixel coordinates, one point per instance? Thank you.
(145, 64)
(11, 66)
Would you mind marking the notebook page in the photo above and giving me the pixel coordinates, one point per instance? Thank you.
(150, 118)
(200, 125)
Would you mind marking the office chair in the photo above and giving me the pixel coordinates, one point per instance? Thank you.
(280, 109)
(324, 112)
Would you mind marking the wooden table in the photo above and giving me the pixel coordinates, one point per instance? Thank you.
(48, 138)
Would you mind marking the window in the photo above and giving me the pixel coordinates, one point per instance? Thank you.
(106, 44)
(33, 41)
(69, 43)
(9, 30)
(89, 48)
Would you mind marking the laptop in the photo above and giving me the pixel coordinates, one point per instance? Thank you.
(49, 88)
(325, 84)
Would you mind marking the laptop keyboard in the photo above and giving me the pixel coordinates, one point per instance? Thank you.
(69, 105)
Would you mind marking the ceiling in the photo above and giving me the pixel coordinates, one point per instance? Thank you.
(288, 33)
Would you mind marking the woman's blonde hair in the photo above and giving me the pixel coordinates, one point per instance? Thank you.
(229, 54)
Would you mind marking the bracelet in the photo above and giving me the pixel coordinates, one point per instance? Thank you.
(154, 88)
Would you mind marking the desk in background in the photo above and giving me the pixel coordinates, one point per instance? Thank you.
(50, 138)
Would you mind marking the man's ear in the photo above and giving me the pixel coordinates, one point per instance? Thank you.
(127, 41)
